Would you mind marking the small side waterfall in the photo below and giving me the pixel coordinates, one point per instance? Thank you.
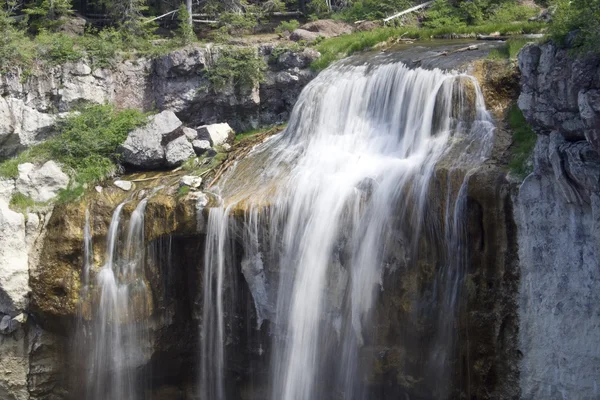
(116, 336)
(339, 199)
(217, 256)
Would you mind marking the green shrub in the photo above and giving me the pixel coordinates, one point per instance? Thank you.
(581, 17)
(237, 23)
(102, 46)
(86, 144)
(510, 12)
(287, 26)
(442, 14)
(88, 141)
(57, 48)
(237, 66)
(524, 140)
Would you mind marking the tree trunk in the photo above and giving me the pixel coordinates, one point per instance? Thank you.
(188, 5)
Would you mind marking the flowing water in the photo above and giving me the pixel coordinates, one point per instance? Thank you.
(116, 336)
(319, 204)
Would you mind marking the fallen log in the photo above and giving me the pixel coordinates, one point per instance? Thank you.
(492, 37)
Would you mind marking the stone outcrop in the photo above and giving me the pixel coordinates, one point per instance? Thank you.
(145, 146)
(41, 182)
(165, 143)
(217, 134)
(558, 220)
(560, 92)
(30, 104)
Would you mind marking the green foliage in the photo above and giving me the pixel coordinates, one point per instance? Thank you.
(238, 66)
(70, 194)
(475, 12)
(15, 47)
(287, 26)
(511, 11)
(183, 190)
(281, 49)
(237, 23)
(342, 46)
(86, 144)
(442, 14)
(373, 9)
(47, 14)
(57, 48)
(523, 142)
(581, 17)
(102, 46)
(185, 31)
(21, 203)
(509, 50)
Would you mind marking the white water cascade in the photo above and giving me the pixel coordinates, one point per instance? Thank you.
(330, 204)
(116, 338)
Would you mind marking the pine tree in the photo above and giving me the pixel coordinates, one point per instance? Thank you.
(47, 14)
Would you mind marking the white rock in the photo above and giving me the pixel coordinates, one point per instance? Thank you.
(41, 183)
(21, 126)
(190, 134)
(144, 146)
(200, 146)
(14, 270)
(218, 134)
(191, 181)
(124, 185)
(98, 189)
(226, 147)
(178, 151)
(7, 188)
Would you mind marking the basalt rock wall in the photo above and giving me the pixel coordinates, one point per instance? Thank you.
(558, 223)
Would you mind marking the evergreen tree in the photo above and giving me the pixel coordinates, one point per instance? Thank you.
(47, 14)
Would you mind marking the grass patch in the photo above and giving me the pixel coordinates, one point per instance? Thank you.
(509, 50)
(21, 203)
(86, 146)
(343, 46)
(183, 190)
(524, 140)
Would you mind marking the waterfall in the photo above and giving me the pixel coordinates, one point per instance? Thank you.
(321, 202)
(118, 332)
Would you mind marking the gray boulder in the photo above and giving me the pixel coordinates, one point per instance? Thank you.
(201, 146)
(178, 151)
(300, 60)
(190, 134)
(144, 148)
(218, 134)
(303, 34)
(41, 183)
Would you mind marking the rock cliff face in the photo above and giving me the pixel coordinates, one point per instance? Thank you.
(558, 220)
(31, 102)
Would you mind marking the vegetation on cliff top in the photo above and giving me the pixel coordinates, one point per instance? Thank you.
(576, 23)
(86, 144)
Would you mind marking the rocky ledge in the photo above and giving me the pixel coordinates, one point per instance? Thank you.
(32, 101)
